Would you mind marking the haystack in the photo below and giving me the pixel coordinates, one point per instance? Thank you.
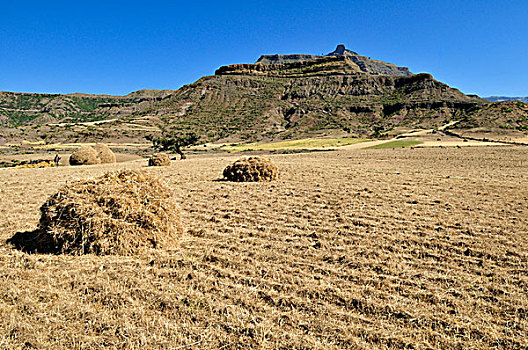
(85, 155)
(251, 169)
(104, 153)
(123, 212)
(159, 159)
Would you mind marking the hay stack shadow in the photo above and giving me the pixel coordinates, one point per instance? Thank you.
(36, 241)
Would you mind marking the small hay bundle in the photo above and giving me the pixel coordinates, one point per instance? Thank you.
(85, 155)
(122, 213)
(251, 169)
(104, 153)
(39, 164)
(159, 159)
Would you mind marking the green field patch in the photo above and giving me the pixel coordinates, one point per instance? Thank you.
(396, 144)
(293, 144)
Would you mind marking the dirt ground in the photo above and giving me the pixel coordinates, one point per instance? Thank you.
(351, 249)
(64, 157)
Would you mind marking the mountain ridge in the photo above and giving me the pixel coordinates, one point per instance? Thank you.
(506, 98)
(18, 108)
(278, 97)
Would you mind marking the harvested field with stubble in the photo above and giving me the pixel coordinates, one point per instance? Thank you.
(359, 249)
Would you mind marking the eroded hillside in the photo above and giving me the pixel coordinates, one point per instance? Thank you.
(249, 102)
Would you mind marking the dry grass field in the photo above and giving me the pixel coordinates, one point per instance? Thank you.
(351, 249)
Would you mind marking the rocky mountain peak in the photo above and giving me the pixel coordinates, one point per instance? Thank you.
(342, 51)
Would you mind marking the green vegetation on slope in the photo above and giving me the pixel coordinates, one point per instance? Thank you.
(294, 144)
(396, 144)
(22, 109)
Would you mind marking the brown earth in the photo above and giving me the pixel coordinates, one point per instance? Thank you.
(358, 249)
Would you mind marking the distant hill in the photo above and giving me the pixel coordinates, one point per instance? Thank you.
(506, 98)
(18, 109)
(496, 117)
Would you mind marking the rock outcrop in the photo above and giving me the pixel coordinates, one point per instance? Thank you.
(370, 66)
(351, 62)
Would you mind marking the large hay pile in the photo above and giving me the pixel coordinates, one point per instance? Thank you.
(104, 153)
(251, 169)
(122, 212)
(85, 155)
(159, 159)
(89, 155)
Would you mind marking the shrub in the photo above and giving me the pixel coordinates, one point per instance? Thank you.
(173, 142)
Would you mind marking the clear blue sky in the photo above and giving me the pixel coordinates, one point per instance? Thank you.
(116, 47)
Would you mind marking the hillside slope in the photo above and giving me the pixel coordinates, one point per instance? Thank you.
(17, 109)
(308, 97)
(497, 118)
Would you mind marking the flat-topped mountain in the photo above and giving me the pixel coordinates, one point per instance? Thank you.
(290, 96)
(278, 97)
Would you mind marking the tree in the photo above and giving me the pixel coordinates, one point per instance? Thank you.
(173, 143)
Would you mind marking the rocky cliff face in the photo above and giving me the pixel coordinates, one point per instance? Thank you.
(276, 59)
(370, 66)
(320, 65)
(350, 59)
